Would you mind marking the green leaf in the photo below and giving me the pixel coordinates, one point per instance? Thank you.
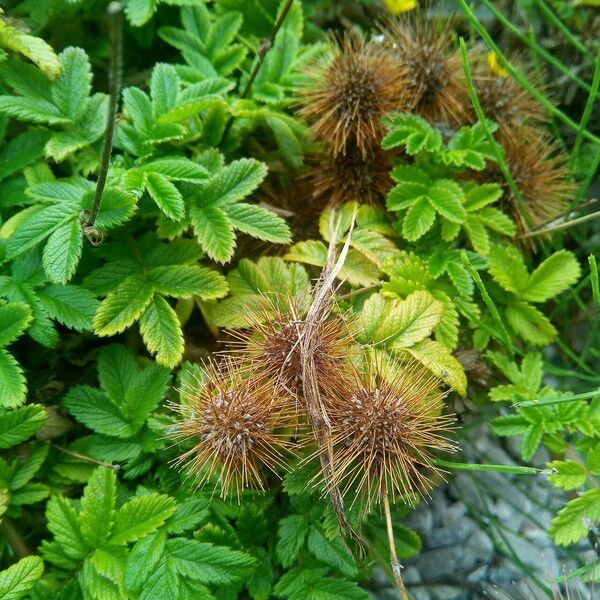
(302, 583)
(164, 89)
(530, 323)
(447, 197)
(441, 363)
(572, 523)
(185, 281)
(19, 579)
(62, 252)
(418, 220)
(291, 537)
(552, 277)
(13, 385)
(176, 167)
(161, 332)
(510, 425)
(411, 131)
(92, 408)
(401, 323)
(116, 369)
(507, 267)
(258, 222)
(98, 507)
(18, 425)
(116, 207)
(70, 305)
(64, 524)
(531, 440)
(207, 563)
(37, 227)
(232, 183)
(141, 516)
(33, 110)
(214, 231)
(481, 195)
(73, 86)
(26, 471)
(167, 197)
(14, 319)
(331, 552)
(139, 11)
(143, 559)
(122, 307)
(567, 475)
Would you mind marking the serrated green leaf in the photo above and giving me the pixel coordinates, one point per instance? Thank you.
(13, 385)
(566, 474)
(70, 305)
(418, 220)
(167, 197)
(62, 252)
(98, 507)
(331, 552)
(73, 86)
(161, 332)
(214, 231)
(64, 524)
(14, 319)
(531, 440)
(507, 267)
(482, 195)
(141, 516)
(291, 537)
(123, 307)
(258, 222)
(18, 425)
(232, 183)
(447, 197)
(441, 363)
(572, 522)
(92, 408)
(184, 281)
(207, 563)
(143, 559)
(164, 89)
(26, 471)
(528, 322)
(552, 277)
(116, 207)
(19, 579)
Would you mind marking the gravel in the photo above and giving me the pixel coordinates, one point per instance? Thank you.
(485, 535)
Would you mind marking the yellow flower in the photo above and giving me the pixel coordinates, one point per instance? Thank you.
(399, 6)
(495, 65)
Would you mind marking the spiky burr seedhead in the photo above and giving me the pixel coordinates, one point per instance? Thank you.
(234, 421)
(386, 425)
(344, 99)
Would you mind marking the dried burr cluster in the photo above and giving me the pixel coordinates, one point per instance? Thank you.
(414, 66)
(255, 412)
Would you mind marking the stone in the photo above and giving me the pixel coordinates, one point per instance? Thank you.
(411, 576)
(451, 535)
(420, 593)
(479, 574)
(481, 545)
(448, 592)
(421, 520)
(443, 564)
(454, 513)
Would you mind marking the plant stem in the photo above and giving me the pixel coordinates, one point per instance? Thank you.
(115, 29)
(85, 458)
(14, 538)
(263, 49)
(362, 290)
(395, 564)
(515, 469)
(569, 35)
(589, 105)
(519, 77)
(559, 226)
(536, 48)
(489, 303)
(557, 399)
(594, 282)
